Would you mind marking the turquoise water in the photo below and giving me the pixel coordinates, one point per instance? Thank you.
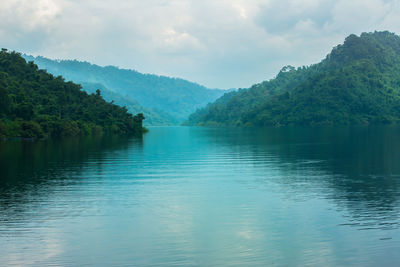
(184, 196)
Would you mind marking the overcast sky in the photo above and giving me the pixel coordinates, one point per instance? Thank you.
(217, 43)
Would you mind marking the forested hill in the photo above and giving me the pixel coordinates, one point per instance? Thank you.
(357, 83)
(163, 100)
(152, 117)
(34, 103)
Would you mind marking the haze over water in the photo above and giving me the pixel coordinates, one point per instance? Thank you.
(204, 196)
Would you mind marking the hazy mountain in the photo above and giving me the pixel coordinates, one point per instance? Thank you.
(357, 83)
(152, 117)
(163, 100)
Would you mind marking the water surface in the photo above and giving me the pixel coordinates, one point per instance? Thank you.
(184, 196)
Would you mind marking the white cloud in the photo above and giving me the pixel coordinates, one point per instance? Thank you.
(27, 24)
(219, 43)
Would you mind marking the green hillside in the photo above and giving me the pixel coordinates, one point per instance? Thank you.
(163, 100)
(152, 117)
(357, 83)
(34, 103)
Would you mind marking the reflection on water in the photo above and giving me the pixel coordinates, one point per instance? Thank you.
(204, 196)
(358, 167)
(27, 167)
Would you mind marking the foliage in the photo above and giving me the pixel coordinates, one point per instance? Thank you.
(34, 103)
(357, 83)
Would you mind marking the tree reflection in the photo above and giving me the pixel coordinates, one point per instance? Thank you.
(357, 167)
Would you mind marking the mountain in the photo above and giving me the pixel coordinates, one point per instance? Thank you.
(357, 83)
(34, 103)
(152, 117)
(163, 100)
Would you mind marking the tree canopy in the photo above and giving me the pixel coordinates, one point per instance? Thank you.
(34, 103)
(357, 83)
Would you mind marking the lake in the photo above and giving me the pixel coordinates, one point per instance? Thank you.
(187, 196)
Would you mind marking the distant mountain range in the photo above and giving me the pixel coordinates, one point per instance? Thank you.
(162, 100)
(357, 83)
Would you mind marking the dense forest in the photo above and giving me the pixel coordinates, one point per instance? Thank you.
(357, 83)
(34, 103)
(163, 100)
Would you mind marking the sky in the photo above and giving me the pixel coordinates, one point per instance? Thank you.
(216, 43)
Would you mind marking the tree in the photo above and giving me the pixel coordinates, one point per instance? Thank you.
(139, 117)
(24, 111)
(34, 103)
(4, 100)
(357, 83)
